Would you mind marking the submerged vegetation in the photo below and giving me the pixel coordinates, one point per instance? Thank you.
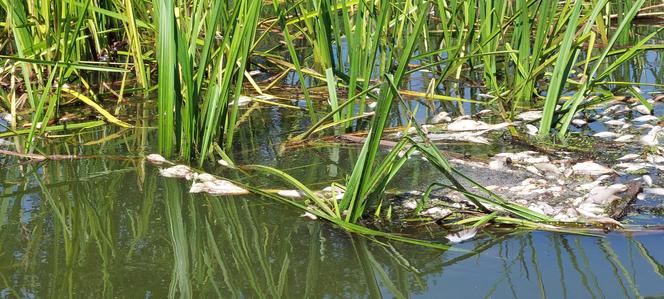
(346, 65)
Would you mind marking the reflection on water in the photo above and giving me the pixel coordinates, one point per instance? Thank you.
(102, 228)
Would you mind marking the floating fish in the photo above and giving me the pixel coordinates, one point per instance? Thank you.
(579, 122)
(530, 115)
(606, 134)
(624, 138)
(651, 138)
(464, 124)
(441, 117)
(591, 168)
(645, 118)
(156, 159)
(463, 235)
(628, 157)
(309, 215)
(655, 191)
(290, 193)
(177, 171)
(615, 122)
(642, 109)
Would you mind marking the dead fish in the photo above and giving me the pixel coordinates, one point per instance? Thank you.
(615, 122)
(156, 159)
(462, 235)
(526, 157)
(463, 136)
(647, 180)
(242, 101)
(224, 187)
(290, 193)
(605, 194)
(642, 109)
(177, 171)
(198, 188)
(579, 122)
(441, 117)
(530, 115)
(655, 191)
(437, 213)
(655, 159)
(651, 138)
(628, 157)
(591, 168)
(624, 138)
(633, 167)
(463, 124)
(645, 118)
(606, 134)
(309, 215)
(532, 130)
(205, 177)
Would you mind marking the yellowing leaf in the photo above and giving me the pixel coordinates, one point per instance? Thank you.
(96, 106)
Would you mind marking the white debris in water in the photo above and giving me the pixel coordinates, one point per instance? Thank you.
(530, 115)
(591, 168)
(579, 122)
(624, 138)
(532, 130)
(606, 134)
(177, 171)
(463, 235)
(647, 180)
(645, 118)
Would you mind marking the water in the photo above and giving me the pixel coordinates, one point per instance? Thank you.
(109, 228)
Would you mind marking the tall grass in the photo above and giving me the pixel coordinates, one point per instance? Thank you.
(203, 49)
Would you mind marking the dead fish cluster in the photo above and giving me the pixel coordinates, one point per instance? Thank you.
(202, 182)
